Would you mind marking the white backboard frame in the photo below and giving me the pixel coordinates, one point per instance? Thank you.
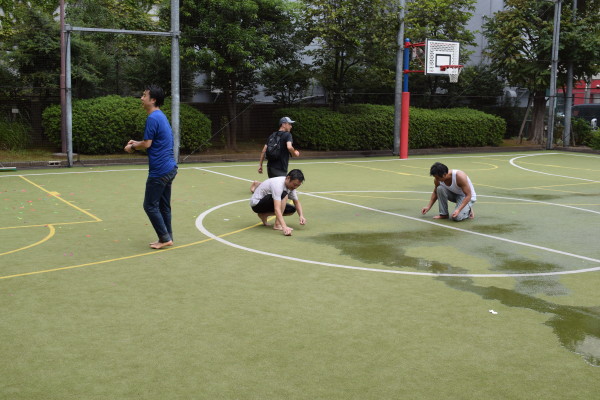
(440, 52)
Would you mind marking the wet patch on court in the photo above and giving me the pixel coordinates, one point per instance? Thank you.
(509, 264)
(496, 228)
(540, 197)
(428, 251)
(546, 285)
(577, 328)
(386, 248)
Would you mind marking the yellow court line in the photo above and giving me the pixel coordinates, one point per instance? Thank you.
(54, 194)
(487, 169)
(378, 169)
(50, 234)
(373, 197)
(154, 252)
(54, 223)
(536, 187)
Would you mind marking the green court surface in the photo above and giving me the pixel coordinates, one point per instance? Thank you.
(368, 300)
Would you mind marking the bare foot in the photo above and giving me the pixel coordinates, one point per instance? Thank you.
(440, 217)
(280, 228)
(160, 245)
(264, 218)
(254, 186)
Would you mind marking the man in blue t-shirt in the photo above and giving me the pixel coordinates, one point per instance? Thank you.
(162, 168)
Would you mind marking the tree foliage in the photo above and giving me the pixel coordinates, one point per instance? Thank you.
(231, 41)
(100, 62)
(356, 55)
(31, 56)
(520, 47)
(439, 20)
(348, 36)
(287, 81)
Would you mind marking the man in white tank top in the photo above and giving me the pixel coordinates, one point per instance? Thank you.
(451, 185)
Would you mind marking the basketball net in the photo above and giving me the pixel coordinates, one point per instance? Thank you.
(453, 73)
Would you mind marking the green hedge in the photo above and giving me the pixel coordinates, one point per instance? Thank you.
(594, 141)
(14, 135)
(104, 125)
(370, 127)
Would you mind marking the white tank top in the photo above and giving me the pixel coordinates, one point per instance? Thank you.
(454, 188)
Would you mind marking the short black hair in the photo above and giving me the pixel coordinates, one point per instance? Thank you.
(438, 169)
(296, 174)
(156, 93)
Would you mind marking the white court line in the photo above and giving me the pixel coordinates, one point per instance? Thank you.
(201, 228)
(88, 172)
(512, 162)
(247, 164)
(370, 160)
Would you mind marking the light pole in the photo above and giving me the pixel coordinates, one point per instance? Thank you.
(553, 73)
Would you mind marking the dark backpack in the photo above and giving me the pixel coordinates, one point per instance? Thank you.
(274, 146)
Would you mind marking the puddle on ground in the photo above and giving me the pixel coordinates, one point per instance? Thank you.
(496, 228)
(540, 197)
(382, 248)
(577, 328)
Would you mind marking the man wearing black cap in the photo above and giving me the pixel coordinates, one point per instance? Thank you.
(278, 167)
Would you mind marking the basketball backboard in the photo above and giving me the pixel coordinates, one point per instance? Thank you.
(438, 53)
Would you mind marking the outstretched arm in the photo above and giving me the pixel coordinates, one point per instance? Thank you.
(262, 158)
(300, 212)
(133, 145)
(280, 222)
(432, 200)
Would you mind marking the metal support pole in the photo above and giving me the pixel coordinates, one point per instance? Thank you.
(399, 78)
(405, 103)
(553, 73)
(63, 99)
(69, 104)
(569, 97)
(175, 95)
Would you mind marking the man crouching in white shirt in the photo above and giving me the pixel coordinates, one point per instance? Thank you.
(271, 196)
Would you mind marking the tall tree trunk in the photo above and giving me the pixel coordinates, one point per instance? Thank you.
(335, 105)
(537, 120)
(529, 102)
(232, 111)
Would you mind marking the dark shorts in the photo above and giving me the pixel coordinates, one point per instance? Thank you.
(265, 205)
(274, 172)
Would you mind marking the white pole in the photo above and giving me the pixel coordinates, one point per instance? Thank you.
(69, 104)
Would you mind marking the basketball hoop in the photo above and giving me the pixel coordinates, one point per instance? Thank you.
(453, 71)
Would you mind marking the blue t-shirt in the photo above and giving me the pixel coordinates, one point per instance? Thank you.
(161, 159)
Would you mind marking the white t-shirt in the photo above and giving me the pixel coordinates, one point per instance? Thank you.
(274, 187)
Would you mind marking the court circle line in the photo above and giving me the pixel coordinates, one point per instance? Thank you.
(51, 232)
(513, 163)
(200, 226)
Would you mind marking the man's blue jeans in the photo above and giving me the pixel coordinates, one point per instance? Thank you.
(157, 204)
